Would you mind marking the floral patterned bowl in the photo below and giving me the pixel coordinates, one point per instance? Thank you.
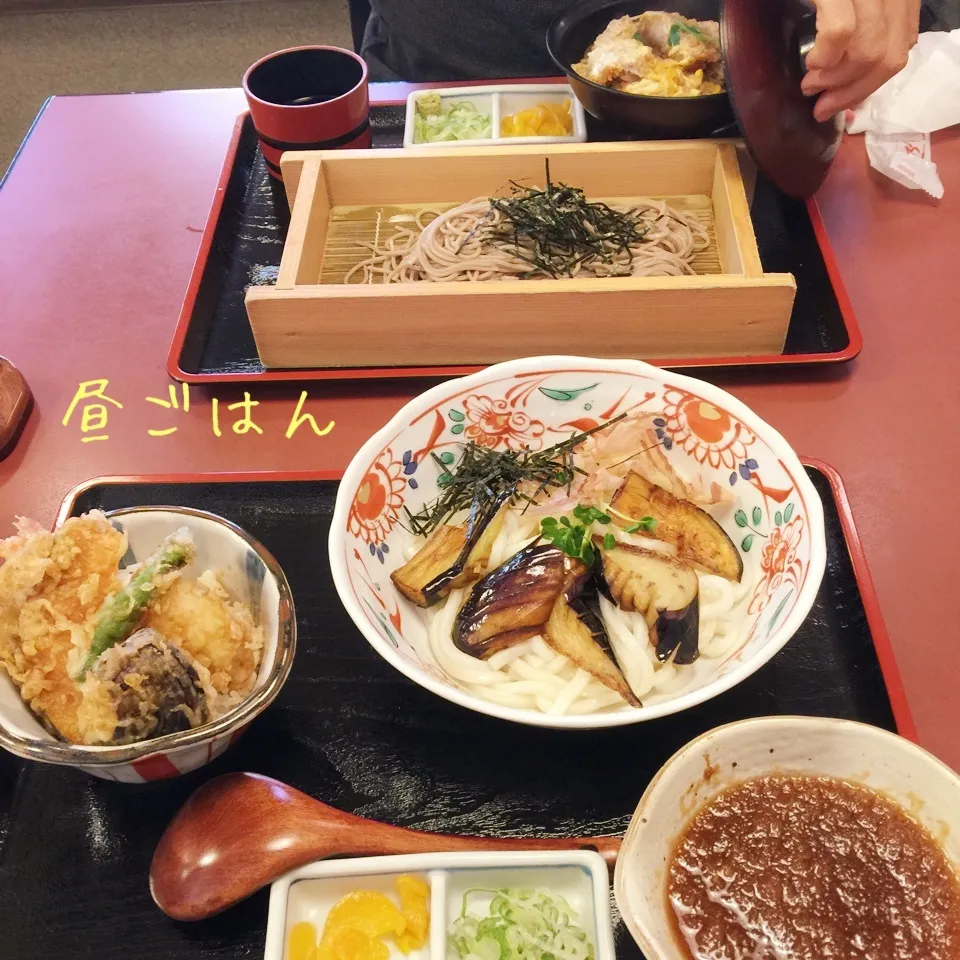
(776, 520)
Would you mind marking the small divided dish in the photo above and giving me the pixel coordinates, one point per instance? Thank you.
(498, 102)
(308, 894)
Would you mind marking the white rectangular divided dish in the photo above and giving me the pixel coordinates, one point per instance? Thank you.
(307, 894)
(498, 102)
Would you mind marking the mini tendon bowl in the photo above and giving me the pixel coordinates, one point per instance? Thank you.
(578, 26)
(721, 758)
(252, 575)
(775, 520)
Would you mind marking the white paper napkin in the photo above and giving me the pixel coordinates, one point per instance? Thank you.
(899, 118)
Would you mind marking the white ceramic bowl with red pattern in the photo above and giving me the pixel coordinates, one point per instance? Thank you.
(766, 505)
(251, 574)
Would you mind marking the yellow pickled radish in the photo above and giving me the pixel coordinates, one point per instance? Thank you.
(414, 902)
(551, 118)
(367, 911)
(349, 944)
(357, 922)
(302, 942)
(407, 943)
(560, 111)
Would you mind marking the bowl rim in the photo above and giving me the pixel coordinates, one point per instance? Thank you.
(757, 727)
(529, 365)
(78, 754)
(567, 68)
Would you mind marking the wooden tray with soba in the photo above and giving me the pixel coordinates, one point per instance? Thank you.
(379, 268)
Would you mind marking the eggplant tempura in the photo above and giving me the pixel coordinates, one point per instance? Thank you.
(103, 655)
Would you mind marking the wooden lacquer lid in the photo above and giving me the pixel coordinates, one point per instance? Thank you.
(764, 45)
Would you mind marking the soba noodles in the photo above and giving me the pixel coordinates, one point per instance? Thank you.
(467, 243)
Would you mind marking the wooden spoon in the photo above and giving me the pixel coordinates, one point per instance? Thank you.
(241, 831)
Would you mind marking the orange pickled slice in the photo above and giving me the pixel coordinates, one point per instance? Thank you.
(414, 902)
(371, 913)
(302, 942)
(346, 943)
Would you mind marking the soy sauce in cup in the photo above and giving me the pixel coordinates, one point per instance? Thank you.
(308, 98)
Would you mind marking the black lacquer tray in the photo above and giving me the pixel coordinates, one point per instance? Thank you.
(213, 341)
(351, 731)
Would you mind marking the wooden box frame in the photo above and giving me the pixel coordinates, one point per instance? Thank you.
(299, 322)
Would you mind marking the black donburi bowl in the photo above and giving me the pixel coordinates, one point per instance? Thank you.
(671, 117)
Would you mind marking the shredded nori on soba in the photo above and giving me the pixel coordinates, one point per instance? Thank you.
(557, 229)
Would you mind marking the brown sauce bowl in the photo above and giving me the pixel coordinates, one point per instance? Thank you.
(921, 784)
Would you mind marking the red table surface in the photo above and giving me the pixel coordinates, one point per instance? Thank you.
(100, 221)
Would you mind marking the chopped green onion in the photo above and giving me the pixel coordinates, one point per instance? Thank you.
(673, 37)
(521, 925)
(456, 120)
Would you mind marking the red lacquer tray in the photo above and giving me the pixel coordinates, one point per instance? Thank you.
(242, 242)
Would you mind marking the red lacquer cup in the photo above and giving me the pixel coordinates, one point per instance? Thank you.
(308, 98)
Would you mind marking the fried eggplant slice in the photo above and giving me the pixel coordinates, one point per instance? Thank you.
(155, 688)
(696, 535)
(431, 561)
(453, 556)
(578, 633)
(665, 590)
(513, 602)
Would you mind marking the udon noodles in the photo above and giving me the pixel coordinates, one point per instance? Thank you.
(459, 244)
(649, 584)
(533, 676)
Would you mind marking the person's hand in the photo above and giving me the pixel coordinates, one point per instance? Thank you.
(860, 45)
